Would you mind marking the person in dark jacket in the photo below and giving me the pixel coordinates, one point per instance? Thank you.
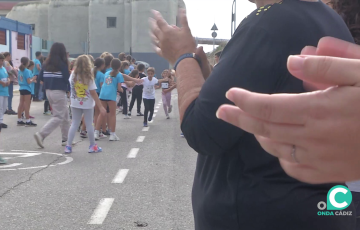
(55, 77)
(237, 184)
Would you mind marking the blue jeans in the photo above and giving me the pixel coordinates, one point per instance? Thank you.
(11, 93)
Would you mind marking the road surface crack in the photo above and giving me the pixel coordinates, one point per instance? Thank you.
(30, 177)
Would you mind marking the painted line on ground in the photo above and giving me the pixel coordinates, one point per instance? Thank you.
(155, 111)
(145, 129)
(140, 139)
(151, 121)
(101, 211)
(154, 115)
(120, 176)
(157, 107)
(133, 153)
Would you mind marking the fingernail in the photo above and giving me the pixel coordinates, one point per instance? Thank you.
(296, 62)
(220, 114)
(228, 94)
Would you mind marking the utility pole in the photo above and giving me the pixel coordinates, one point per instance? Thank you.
(233, 18)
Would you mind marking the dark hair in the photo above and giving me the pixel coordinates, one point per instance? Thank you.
(2, 57)
(31, 63)
(122, 56)
(124, 64)
(129, 58)
(133, 60)
(56, 58)
(24, 63)
(350, 12)
(108, 60)
(134, 73)
(6, 54)
(97, 64)
(115, 65)
(38, 53)
(218, 54)
(141, 67)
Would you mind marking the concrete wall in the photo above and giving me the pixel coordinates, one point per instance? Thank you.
(68, 23)
(26, 13)
(36, 46)
(15, 52)
(103, 38)
(6, 48)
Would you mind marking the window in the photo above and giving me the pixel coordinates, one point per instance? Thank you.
(43, 44)
(111, 22)
(2, 37)
(21, 41)
(33, 28)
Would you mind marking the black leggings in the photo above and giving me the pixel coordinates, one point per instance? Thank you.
(136, 95)
(149, 107)
(124, 100)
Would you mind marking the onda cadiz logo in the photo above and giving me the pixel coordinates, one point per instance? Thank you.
(338, 198)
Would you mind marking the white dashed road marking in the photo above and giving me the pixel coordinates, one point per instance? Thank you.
(155, 111)
(133, 153)
(120, 176)
(101, 211)
(157, 107)
(140, 139)
(145, 129)
(154, 115)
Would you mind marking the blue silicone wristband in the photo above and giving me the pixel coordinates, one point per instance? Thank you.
(187, 55)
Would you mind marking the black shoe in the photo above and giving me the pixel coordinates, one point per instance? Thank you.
(150, 119)
(30, 124)
(4, 126)
(129, 114)
(107, 133)
(20, 123)
(11, 112)
(140, 114)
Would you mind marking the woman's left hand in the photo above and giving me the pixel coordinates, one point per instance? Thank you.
(170, 42)
(315, 135)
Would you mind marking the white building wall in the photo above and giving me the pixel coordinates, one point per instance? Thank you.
(141, 11)
(103, 38)
(68, 22)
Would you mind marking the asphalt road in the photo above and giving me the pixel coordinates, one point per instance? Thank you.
(134, 183)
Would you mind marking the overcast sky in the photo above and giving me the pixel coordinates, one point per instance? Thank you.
(203, 13)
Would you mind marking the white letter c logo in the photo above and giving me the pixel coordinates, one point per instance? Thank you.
(332, 198)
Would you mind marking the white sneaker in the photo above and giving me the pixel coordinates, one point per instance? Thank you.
(101, 136)
(96, 135)
(39, 139)
(127, 117)
(113, 137)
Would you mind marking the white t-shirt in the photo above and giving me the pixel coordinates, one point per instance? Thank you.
(80, 94)
(149, 87)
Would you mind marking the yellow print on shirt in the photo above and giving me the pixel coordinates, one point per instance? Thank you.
(81, 90)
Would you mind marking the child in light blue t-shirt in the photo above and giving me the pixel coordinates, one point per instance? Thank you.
(4, 91)
(110, 84)
(25, 78)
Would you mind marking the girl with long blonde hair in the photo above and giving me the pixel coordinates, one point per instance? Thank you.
(83, 99)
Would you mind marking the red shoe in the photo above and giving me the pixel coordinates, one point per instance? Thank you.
(31, 117)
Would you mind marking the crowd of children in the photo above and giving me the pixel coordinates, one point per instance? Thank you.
(97, 89)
